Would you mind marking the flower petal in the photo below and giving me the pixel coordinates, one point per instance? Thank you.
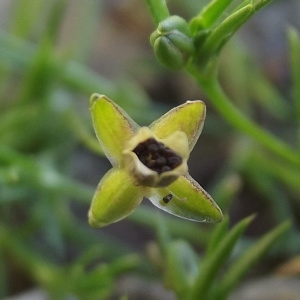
(115, 198)
(188, 117)
(112, 125)
(185, 198)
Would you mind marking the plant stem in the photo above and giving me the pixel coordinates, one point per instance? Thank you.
(237, 119)
(158, 10)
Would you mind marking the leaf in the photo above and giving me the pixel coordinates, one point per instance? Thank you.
(209, 15)
(216, 236)
(238, 269)
(181, 267)
(294, 44)
(225, 30)
(212, 264)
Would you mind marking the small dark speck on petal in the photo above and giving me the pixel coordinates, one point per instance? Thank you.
(167, 198)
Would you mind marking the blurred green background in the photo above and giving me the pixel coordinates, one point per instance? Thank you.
(53, 55)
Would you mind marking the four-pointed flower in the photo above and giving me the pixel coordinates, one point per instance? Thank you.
(149, 162)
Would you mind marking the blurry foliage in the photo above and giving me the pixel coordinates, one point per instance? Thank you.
(44, 90)
(214, 275)
(41, 124)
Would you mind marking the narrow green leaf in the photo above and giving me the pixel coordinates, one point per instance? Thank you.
(25, 15)
(267, 185)
(294, 43)
(39, 80)
(248, 259)
(268, 96)
(226, 189)
(259, 4)
(212, 264)
(181, 267)
(209, 15)
(163, 237)
(218, 233)
(286, 173)
(225, 30)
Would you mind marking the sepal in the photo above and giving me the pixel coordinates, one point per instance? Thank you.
(113, 126)
(186, 199)
(115, 198)
(188, 117)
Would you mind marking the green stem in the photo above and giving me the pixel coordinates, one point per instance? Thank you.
(158, 10)
(237, 119)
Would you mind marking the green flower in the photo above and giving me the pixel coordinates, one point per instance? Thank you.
(149, 162)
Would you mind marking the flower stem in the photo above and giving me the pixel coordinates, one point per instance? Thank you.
(237, 119)
(158, 10)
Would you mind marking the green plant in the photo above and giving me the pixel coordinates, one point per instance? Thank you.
(193, 277)
(44, 86)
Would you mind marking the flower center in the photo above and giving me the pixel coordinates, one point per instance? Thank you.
(156, 156)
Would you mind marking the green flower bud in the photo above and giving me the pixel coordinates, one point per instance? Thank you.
(172, 42)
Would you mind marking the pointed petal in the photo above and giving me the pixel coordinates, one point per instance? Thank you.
(188, 117)
(115, 198)
(185, 198)
(112, 125)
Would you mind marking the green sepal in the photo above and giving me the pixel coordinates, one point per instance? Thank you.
(168, 54)
(188, 117)
(189, 201)
(115, 198)
(174, 23)
(113, 126)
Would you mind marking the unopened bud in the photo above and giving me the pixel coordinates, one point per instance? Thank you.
(172, 42)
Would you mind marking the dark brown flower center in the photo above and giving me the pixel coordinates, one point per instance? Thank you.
(156, 156)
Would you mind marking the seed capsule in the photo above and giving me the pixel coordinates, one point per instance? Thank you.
(156, 156)
(155, 162)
